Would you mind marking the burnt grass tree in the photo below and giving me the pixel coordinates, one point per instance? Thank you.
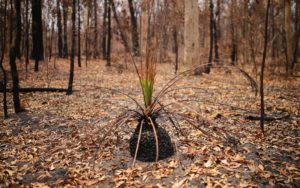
(150, 142)
(37, 33)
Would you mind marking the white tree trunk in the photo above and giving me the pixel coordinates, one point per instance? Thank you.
(191, 33)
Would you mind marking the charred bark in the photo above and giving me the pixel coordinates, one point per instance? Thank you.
(78, 34)
(65, 37)
(109, 35)
(37, 33)
(104, 30)
(59, 31)
(71, 77)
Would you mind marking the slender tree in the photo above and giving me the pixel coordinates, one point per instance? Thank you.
(96, 52)
(104, 30)
(71, 77)
(233, 34)
(211, 28)
(37, 33)
(13, 66)
(3, 49)
(134, 32)
(59, 30)
(288, 33)
(216, 22)
(175, 37)
(65, 34)
(78, 34)
(262, 104)
(87, 30)
(296, 36)
(18, 28)
(108, 34)
(27, 35)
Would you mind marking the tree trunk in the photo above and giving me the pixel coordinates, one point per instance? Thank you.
(37, 33)
(104, 30)
(216, 24)
(27, 35)
(11, 25)
(3, 49)
(262, 105)
(87, 30)
(272, 29)
(13, 67)
(175, 36)
(71, 77)
(122, 34)
(191, 33)
(144, 31)
(18, 28)
(296, 36)
(59, 31)
(96, 53)
(288, 32)
(134, 28)
(50, 41)
(233, 34)
(65, 41)
(78, 28)
(108, 34)
(211, 28)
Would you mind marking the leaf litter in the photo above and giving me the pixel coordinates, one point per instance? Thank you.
(56, 141)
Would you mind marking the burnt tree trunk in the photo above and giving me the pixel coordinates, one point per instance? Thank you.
(175, 37)
(296, 37)
(288, 33)
(59, 31)
(78, 37)
(65, 37)
(216, 31)
(211, 28)
(87, 30)
(50, 41)
(104, 29)
(134, 32)
(27, 35)
(37, 33)
(18, 28)
(262, 104)
(71, 77)
(96, 52)
(233, 34)
(13, 68)
(109, 35)
(3, 49)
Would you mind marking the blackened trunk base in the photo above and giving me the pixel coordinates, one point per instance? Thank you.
(147, 147)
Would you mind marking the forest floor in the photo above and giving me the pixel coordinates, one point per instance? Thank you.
(55, 142)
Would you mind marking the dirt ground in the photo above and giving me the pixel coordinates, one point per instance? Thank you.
(56, 141)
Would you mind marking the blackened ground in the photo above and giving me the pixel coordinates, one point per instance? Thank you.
(147, 147)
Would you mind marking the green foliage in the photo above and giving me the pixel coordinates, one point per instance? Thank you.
(147, 87)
